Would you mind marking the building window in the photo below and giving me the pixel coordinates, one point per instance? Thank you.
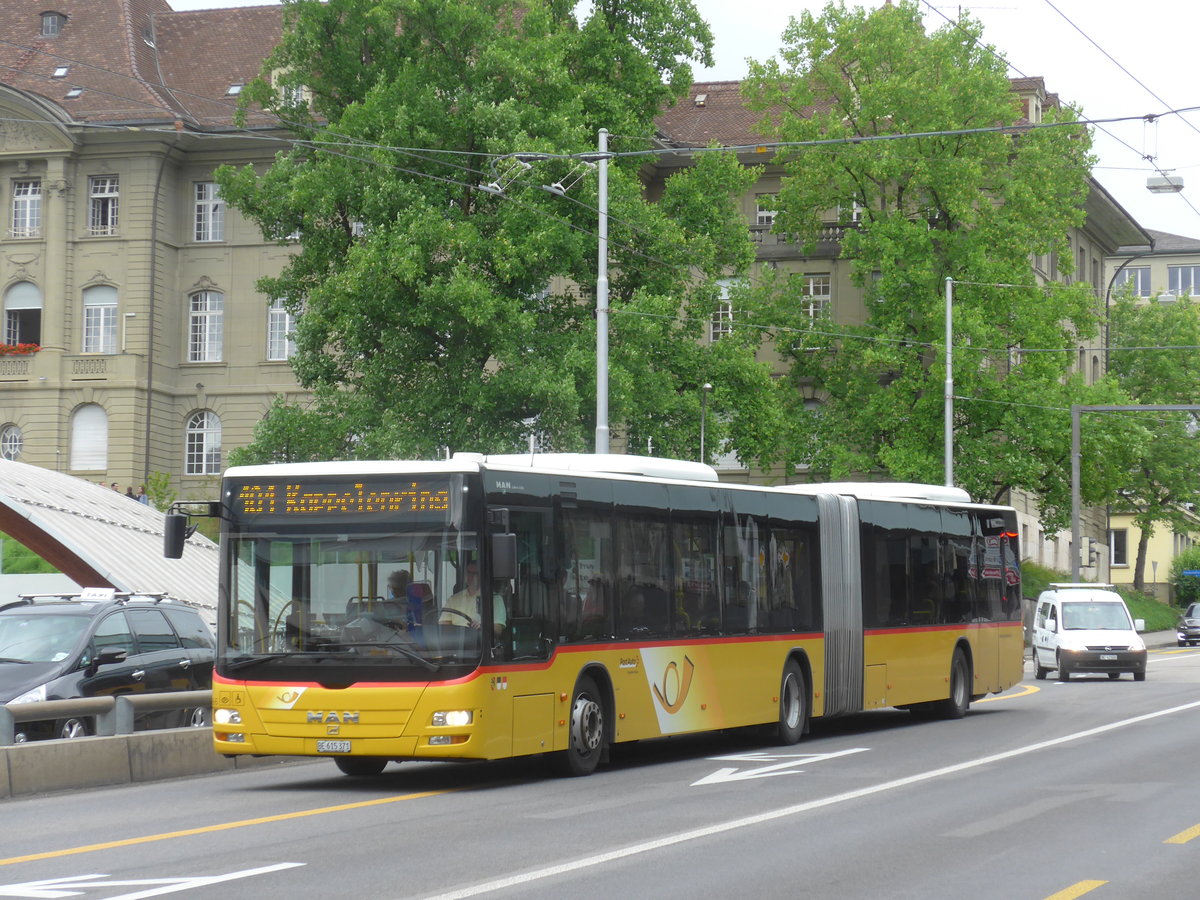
(292, 95)
(23, 314)
(61, 71)
(1183, 281)
(816, 292)
(203, 451)
(1138, 277)
(52, 23)
(280, 326)
(89, 438)
(102, 217)
(206, 326)
(722, 320)
(12, 441)
(100, 319)
(1118, 540)
(764, 212)
(210, 212)
(27, 209)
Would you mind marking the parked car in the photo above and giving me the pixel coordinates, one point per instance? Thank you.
(1081, 628)
(101, 642)
(1188, 629)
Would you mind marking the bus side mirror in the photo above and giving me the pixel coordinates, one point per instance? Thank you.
(504, 556)
(174, 534)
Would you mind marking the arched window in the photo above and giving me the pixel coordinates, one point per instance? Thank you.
(89, 438)
(203, 451)
(23, 314)
(12, 441)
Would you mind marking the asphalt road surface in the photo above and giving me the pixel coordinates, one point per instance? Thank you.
(1048, 791)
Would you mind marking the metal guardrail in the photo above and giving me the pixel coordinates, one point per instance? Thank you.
(112, 715)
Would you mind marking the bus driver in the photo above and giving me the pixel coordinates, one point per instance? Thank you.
(466, 606)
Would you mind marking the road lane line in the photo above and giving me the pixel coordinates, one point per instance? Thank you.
(1077, 890)
(1184, 836)
(788, 811)
(222, 826)
(1025, 691)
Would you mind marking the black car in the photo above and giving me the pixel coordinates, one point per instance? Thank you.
(101, 643)
(1188, 629)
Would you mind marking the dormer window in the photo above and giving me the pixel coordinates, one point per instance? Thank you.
(61, 71)
(234, 89)
(52, 23)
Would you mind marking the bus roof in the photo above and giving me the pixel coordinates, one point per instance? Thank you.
(883, 490)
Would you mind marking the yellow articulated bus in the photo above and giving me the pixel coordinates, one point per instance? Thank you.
(491, 607)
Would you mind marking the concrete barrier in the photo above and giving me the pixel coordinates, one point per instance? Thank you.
(44, 766)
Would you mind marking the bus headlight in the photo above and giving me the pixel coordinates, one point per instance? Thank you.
(454, 718)
(227, 717)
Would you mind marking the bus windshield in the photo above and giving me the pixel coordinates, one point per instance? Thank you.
(366, 596)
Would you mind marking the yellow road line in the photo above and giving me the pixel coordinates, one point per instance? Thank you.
(224, 826)
(1184, 836)
(1023, 692)
(1077, 890)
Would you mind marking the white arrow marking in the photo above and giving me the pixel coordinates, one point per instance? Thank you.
(787, 767)
(53, 888)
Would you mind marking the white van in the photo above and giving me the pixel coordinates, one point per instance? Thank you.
(1086, 628)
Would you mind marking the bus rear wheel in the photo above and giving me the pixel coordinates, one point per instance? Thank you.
(955, 706)
(360, 766)
(793, 704)
(586, 727)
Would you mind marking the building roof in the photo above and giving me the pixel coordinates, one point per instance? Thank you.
(136, 61)
(101, 538)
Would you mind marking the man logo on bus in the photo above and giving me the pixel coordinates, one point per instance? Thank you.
(674, 683)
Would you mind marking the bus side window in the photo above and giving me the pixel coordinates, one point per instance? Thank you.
(585, 596)
(531, 627)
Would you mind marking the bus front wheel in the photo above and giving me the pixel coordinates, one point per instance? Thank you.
(586, 739)
(360, 766)
(793, 704)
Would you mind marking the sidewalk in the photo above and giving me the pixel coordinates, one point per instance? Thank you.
(1157, 639)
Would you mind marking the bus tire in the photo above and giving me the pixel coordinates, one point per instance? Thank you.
(793, 704)
(585, 726)
(360, 766)
(955, 706)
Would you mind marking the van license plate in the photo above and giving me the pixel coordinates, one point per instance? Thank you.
(1111, 656)
(333, 746)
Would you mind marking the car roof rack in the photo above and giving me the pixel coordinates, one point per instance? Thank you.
(90, 594)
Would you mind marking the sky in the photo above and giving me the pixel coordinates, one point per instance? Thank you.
(1113, 59)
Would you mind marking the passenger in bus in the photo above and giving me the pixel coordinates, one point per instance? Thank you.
(398, 586)
(466, 606)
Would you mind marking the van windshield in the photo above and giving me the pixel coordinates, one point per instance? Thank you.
(1084, 616)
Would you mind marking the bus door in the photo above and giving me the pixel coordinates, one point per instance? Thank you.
(528, 636)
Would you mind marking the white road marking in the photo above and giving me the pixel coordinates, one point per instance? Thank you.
(786, 767)
(788, 811)
(74, 886)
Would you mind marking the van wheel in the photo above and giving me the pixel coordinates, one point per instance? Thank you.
(1139, 676)
(1039, 671)
(955, 706)
(1113, 676)
(1064, 674)
(793, 704)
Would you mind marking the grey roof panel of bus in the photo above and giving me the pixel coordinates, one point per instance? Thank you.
(118, 538)
(888, 490)
(603, 463)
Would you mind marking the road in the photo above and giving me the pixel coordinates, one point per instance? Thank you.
(1050, 790)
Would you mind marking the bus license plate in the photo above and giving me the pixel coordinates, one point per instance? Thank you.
(1112, 656)
(333, 746)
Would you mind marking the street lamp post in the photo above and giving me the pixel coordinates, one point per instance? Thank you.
(948, 394)
(705, 390)
(602, 300)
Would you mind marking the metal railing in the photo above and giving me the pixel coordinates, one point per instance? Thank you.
(112, 715)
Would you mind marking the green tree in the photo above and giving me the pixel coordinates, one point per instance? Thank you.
(938, 203)
(1161, 483)
(433, 283)
(1187, 587)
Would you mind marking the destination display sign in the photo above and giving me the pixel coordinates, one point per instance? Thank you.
(299, 498)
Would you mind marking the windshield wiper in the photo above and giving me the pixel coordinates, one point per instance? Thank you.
(246, 661)
(399, 648)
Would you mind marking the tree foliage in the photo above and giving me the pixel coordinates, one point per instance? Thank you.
(1153, 358)
(944, 201)
(434, 283)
